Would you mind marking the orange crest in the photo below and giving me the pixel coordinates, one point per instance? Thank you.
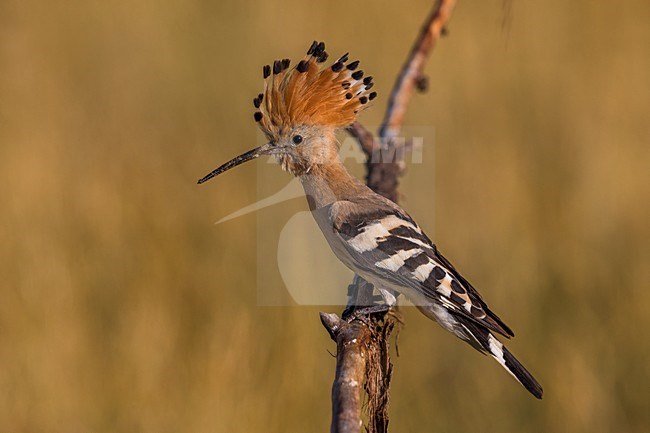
(309, 94)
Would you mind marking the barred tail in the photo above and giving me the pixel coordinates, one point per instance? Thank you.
(489, 344)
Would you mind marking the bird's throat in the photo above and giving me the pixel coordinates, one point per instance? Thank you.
(325, 184)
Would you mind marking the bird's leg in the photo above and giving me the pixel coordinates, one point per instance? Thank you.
(362, 302)
(360, 294)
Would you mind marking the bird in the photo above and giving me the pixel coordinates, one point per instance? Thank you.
(299, 112)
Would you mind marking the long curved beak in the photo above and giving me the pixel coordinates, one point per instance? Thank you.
(265, 149)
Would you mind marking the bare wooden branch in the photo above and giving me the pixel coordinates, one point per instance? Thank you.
(363, 355)
(362, 359)
(411, 75)
(352, 340)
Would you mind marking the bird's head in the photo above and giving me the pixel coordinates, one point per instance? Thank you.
(301, 108)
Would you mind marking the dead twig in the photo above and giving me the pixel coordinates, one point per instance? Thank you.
(412, 72)
(352, 341)
(362, 345)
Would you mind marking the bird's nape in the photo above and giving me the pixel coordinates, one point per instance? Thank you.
(265, 149)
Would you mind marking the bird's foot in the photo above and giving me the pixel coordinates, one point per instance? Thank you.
(352, 313)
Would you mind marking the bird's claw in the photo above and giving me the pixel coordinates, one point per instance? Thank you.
(351, 313)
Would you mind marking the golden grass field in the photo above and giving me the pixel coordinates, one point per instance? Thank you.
(123, 308)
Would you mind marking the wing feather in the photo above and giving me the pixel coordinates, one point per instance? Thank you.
(386, 242)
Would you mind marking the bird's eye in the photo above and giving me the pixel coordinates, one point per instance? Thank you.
(297, 139)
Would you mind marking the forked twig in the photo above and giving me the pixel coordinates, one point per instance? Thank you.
(362, 344)
(411, 74)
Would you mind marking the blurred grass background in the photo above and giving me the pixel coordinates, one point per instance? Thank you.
(124, 309)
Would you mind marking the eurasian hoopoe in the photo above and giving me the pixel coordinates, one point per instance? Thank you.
(299, 112)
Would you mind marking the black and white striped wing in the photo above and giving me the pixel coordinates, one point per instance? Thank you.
(389, 244)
